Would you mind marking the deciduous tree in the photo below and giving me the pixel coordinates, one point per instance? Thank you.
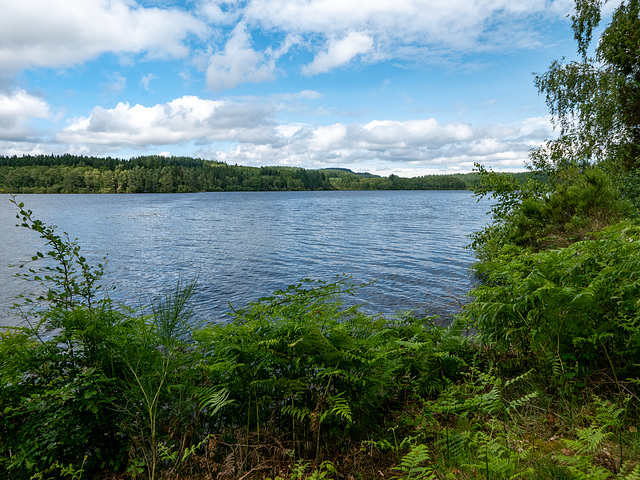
(595, 100)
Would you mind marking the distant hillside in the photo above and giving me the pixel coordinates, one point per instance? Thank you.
(340, 170)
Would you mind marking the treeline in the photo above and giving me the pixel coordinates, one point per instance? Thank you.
(352, 181)
(150, 174)
(157, 174)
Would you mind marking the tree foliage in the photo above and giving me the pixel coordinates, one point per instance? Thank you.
(154, 174)
(595, 100)
(151, 174)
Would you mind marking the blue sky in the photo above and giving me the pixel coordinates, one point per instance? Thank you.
(410, 87)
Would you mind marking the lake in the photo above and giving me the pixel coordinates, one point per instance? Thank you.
(244, 245)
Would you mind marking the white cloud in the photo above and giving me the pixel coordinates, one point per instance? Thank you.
(60, 33)
(412, 148)
(117, 83)
(16, 110)
(182, 120)
(339, 52)
(212, 11)
(240, 63)
(247, 134)
(302, 95)
(415, 132)
(146, 80)
(221, 12)
(449, 24)
(327, 138)
(336, 32)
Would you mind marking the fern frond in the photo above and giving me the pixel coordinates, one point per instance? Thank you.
(411, 465)
(590, 438)
(214, 398)
(517, 379)
(456, 445)
(520, 401)
(608, 413)
(634, 475)
(299, 414)
(340, 407)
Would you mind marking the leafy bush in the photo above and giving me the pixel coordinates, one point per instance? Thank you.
(570, 310)
(575, 208)
(57, 381)
(563, 209)
(88, 382)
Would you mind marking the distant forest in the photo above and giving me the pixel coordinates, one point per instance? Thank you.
(157, 174)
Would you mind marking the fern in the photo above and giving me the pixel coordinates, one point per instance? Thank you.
(340, 407)
(412, 466)
(456, 446)
(634, 475)
(215, 398)
(581, 468)
(574, 303)
(589, 439)
(493, 458)
(299, 414)
(609, 413)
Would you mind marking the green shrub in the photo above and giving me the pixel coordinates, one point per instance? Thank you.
(87, 382)
(300, 365)
(575, 208)
(554, 213)
(573, 310)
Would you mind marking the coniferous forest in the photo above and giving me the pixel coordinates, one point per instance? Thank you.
(156, 174)
(537, 378)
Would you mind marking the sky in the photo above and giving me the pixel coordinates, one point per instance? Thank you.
(405, 87)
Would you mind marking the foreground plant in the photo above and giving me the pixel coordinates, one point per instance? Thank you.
(52, 374)
(318, 376)
(568, 312)
(84, 374)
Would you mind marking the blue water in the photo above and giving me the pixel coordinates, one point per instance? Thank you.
(246, 245)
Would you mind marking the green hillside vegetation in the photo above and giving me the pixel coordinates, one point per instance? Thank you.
(537, 378)
(156, 174)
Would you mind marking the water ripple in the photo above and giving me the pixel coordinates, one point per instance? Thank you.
(246, 245)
